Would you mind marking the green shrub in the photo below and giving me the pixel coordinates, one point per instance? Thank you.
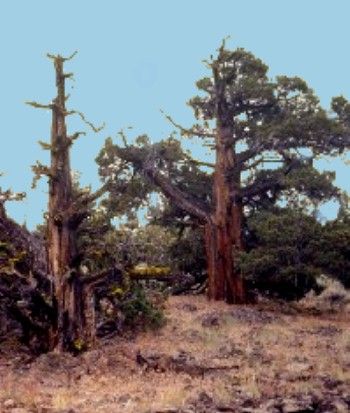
(281, 258)
(139, 310)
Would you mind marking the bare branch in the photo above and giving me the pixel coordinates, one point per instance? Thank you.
(202, 163)
(97, 194)
(262, 160)
(121, 133)
(68, 76)
(75, 136)
(71, 56)
(64, 59)
(46, 146)
(83, 118)
(194, 131)
(40, 105)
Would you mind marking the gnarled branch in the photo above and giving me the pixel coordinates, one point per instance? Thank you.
(181, 199)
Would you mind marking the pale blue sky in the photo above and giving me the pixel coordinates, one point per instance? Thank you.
(136, 57)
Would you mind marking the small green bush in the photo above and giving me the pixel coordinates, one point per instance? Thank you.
(139, 310)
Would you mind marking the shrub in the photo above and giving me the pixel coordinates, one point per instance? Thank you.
(140, 311)
(280, 260)
(334, 298)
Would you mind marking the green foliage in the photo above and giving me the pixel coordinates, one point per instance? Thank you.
(98, 242)
(273, 123)
(332, 252)
(123, 167)
(302, 187)
(105, 245)
(150, 244)
(188, 252)
(139, 311)
(281, 260)
(127, 191)
(342, 108)
(288, 250)
(11, 258)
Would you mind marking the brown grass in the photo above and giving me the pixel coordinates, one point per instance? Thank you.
(288, 355)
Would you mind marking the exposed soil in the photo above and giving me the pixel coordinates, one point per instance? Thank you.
(210, 357)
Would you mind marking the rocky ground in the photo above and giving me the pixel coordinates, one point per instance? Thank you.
(209, 357)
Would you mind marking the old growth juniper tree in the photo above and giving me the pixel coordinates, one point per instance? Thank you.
(259, 131)
(72, 293)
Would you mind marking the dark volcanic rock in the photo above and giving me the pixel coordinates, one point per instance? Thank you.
(253, 315)
(212, 320)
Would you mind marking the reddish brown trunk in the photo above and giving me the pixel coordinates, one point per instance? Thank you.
(238, 246)
(223, 235)
(224, 281)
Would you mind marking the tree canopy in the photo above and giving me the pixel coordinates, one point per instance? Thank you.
(263, 135)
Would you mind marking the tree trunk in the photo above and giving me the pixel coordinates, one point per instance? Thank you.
(224, 281)
(237, 247)
(69, 296)
(223, 235)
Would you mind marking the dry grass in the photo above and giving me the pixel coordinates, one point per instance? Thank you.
(333, 299)
(282, 355)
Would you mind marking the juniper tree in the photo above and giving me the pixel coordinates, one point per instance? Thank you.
(258, 130)
(72, 293)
